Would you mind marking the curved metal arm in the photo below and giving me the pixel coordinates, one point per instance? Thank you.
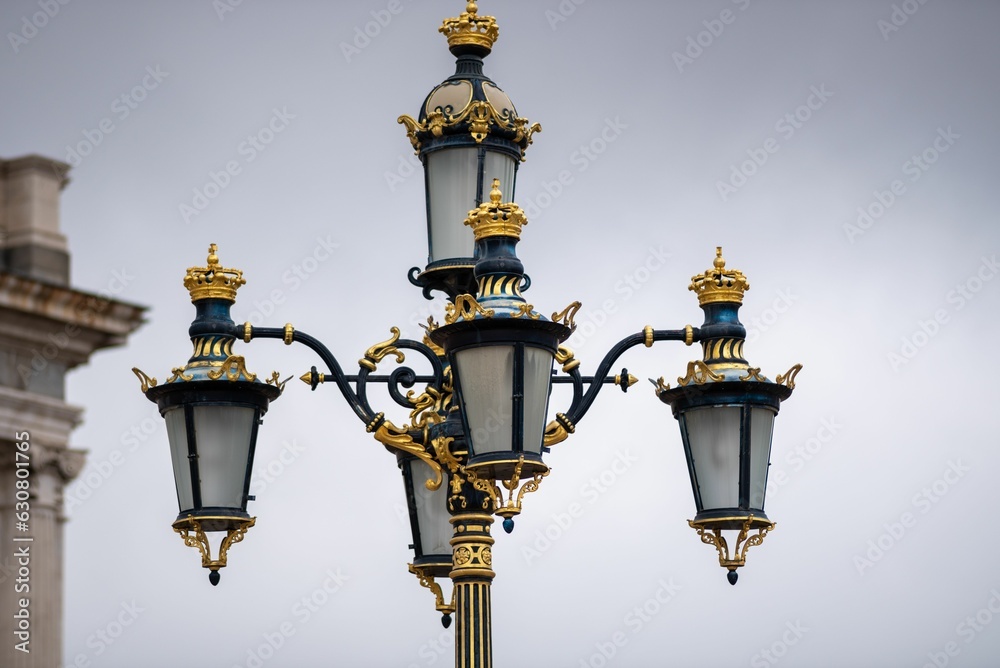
(404, 439)
(581, 404)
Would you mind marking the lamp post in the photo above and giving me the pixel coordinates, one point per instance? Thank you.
(478, 430)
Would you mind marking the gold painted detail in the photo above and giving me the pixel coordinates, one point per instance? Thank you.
(428, 328)
(564, 356)
(788, 378)
(308, 376)
(471, 28)
(388, 434)
(723, 349)
(465, 308)
(500, 286)
(146, 381)
(515, 490)
(688, 335)
(753, 373)
(233, 367)
(567, 315)
(496, 219)
(428, 581)
(647, 333)
(247, 332)
(558, 430)
(213, 280)
(178, 372)
(377, 353)
(289, 333)
(719, 284)
(699, 373)
(274, 380)
(738, 557)
(526, 311)
(660, 385)
(632, 380)
(190, 530)
(481, 117)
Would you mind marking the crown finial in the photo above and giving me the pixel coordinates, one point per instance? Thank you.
(718, 284)
(213, 281)
(493, 219)
(470, 31)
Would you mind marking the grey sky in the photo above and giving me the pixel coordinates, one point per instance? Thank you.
(640, 171)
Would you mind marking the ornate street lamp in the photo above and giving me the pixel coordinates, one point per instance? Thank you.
(726, 410)
(466, 134)
(479, 421)
(212, 407)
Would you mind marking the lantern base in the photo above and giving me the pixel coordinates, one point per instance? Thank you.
(710, 531)
(192, 529)
(515, 492)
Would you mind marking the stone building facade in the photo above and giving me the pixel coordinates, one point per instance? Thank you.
(46, 329)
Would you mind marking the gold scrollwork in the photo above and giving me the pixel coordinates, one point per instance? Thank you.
(193, 535)
(428, 582)
(788, 378)
(558, 430)
(753, 373)
(274, 380)
(145, 380)
(714, 537)
(526, 311)
(178, 372)
(565, 356)
(567, 315)
(233, 367)
(465, 308)
(660, 385)
(377, 353)
(699, 373)
(388, 434)
(515, 490)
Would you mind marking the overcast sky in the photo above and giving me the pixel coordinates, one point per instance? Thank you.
(843, 154)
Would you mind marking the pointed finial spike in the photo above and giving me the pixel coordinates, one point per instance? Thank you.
(720, 262)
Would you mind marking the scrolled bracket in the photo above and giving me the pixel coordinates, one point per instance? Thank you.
(378, 352)
(744, 541)
(427, 581)
(194, 536)
(389, 435)
(788, 378)
(146, 381)
(567, 315)
(698, 373)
